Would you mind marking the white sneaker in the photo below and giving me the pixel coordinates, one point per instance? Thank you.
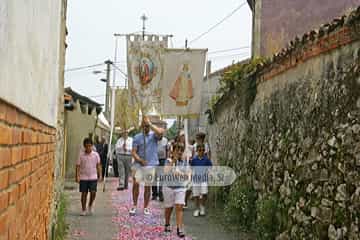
(196, 213)
(83, 213)
(90, 211)
(202, 211)
(147, 211)
(132, 211)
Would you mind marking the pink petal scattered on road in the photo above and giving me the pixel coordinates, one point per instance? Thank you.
(138, 227)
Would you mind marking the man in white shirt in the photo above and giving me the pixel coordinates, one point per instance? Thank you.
(163, 155)
(123, 155)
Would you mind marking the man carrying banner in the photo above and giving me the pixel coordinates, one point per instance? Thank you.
(145, 154)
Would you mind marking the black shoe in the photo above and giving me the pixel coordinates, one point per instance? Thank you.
(120, 188)
(167, 228)
(154, 198)
(161, 198)
(180, 233)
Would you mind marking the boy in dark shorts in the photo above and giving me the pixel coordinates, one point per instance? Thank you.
(88, 172)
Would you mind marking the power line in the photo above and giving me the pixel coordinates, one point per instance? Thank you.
(81, 73)
(228, 50)
(121, 64)
(121, 71)
(100, 71)
(217, 24)
(125, 75)
(232, 55)
(83, 67)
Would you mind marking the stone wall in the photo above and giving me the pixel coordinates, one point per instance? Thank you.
(27, 174)
(298, 141)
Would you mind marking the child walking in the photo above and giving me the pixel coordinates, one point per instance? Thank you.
(200, 165)
(88, 172)
(200, 139)
(174, 191)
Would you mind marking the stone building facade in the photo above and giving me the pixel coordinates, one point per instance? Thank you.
(275, 23)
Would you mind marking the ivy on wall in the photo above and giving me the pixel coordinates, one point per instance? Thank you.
(241, 79)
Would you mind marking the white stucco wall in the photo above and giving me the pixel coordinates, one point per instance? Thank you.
(209, 88)
(29, 56)
(78, 125)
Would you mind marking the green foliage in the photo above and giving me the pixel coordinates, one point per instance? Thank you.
(222, 194)
(268, 219)
(241, 79)
(238, 72)
(340, 216)
(61, 226)
(240, 206)
(172, 131)
(114, 139)
(214, 99)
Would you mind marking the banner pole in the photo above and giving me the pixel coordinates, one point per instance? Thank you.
(112, 114)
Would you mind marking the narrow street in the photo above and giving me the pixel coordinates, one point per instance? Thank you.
(255, 104)
(111, 220)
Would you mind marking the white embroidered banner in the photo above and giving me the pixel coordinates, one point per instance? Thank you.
(182, 84)
(145, 70)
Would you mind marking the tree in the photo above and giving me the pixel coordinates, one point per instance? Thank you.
(172, 131)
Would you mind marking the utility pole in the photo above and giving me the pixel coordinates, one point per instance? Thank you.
(107, 93)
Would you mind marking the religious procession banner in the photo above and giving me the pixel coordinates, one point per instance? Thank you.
(182, 84)
(145, 70)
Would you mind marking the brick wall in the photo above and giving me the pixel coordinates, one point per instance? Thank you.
(309, 50)
(26, 175)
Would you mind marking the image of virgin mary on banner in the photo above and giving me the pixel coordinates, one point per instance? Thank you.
(182, 85)
(145, 70)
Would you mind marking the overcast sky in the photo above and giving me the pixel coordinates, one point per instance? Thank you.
(92, 23)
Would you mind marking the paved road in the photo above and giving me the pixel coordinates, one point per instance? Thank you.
(111, 220)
